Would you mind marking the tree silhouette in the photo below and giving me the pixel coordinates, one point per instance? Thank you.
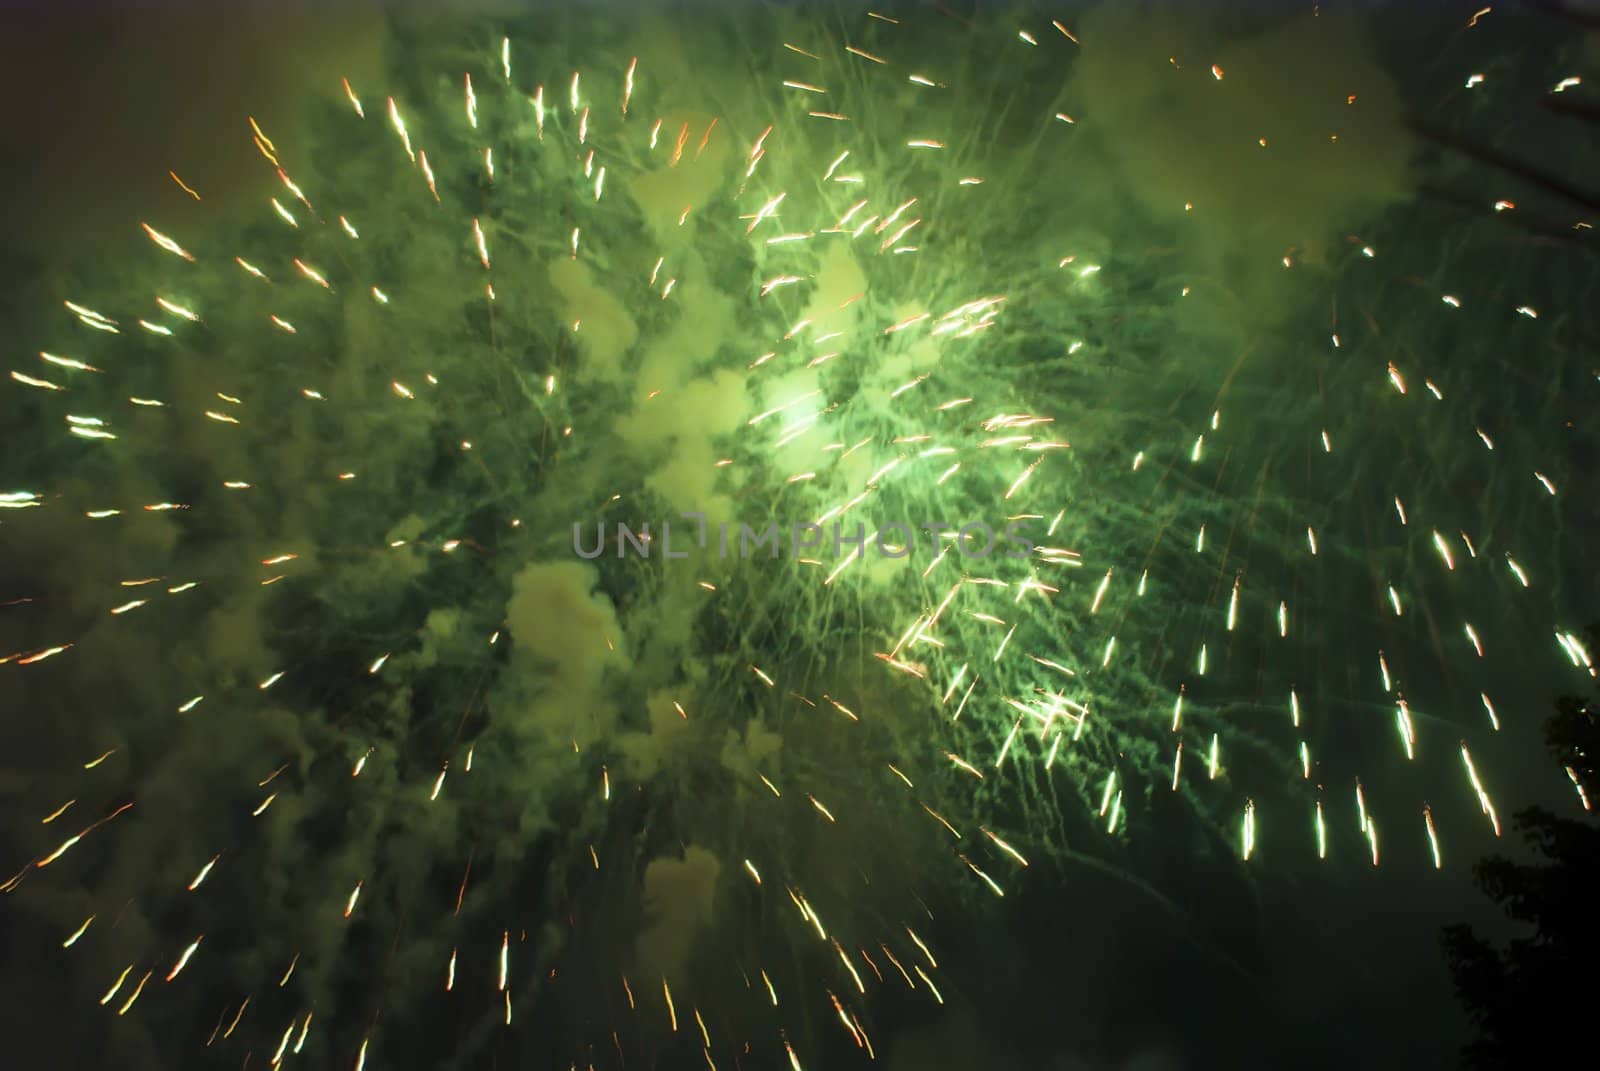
(1529, 1000)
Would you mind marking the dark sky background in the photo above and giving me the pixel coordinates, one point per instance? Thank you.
(1195, 963)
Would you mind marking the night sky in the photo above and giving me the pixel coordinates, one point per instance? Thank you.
(580, 763)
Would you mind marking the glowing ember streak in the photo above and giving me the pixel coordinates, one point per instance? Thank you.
(427, 175)
(112, 992)
(200, 877)
(166, 243)
(184, 186)
(399, 125)
(1408, 735)
(820, 808)
(136, 991)
(183, 959)
(355, 101)
(1477, 786)
(311, 273)
(1006, 848)
(1433, 836)
(72, 940)
(478, 238)
(1583, 797)
(672, 1012)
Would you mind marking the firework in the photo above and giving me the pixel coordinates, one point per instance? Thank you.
(309, 495)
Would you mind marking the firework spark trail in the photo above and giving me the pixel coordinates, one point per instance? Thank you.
(863, 410)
